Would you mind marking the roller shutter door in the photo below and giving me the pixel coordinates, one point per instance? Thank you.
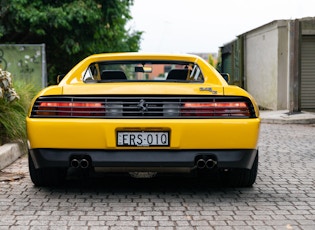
(308, 73)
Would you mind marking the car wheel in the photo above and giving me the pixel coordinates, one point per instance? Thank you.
(240, 177)
(46, 176)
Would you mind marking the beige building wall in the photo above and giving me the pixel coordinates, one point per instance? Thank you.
(266, 69)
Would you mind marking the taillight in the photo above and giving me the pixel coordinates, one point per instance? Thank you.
(139, 106)
(217, 109)
(70, 109)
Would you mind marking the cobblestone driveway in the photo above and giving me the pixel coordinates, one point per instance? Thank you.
(282, 198)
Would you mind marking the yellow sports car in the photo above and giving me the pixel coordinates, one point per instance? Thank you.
(153, 113)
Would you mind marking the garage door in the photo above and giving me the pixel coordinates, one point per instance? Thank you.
(308, 73)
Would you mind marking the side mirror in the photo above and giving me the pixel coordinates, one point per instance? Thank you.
(226, 77)
(59, 78)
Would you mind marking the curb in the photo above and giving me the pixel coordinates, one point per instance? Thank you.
(288, 121)
(283, 117)
(9, 153)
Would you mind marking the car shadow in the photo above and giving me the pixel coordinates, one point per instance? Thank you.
(126, 184)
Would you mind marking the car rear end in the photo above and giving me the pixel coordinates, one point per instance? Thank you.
(147, 127)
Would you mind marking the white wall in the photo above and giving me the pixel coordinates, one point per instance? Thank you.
(265, 66)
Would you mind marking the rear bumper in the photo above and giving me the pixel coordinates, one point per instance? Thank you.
(240, 158)
(184, 134)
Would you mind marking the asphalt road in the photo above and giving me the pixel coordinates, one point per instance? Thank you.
(282, 198)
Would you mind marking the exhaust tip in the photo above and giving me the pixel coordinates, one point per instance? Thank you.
(210, 164)
(75, 163)
(84, 163)
(201, 163)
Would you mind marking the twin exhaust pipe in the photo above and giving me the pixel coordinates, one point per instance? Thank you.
(200, 164)
(80, 163)
(208, 163)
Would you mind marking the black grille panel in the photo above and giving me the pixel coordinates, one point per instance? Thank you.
(143, 107)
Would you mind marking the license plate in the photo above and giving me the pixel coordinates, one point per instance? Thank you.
(142, 138)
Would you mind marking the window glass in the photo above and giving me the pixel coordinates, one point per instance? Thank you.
(143, 71)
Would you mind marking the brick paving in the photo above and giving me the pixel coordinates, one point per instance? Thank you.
(282, 198)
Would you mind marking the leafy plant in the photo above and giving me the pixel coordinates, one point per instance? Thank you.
(12, 114)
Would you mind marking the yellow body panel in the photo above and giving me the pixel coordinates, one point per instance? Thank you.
(184, 134)
(134, 88)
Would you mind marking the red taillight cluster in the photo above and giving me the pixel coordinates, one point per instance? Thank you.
(70, 109)
(216, 109)
(134, 107)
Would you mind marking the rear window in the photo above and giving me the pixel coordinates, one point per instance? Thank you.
(142, 71)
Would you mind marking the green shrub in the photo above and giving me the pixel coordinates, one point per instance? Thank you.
(13, 114)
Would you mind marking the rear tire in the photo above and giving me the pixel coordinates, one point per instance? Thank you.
(46, 176)
(240, 177)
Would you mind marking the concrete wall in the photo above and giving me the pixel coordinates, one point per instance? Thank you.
(283, 74)
(266, 68)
